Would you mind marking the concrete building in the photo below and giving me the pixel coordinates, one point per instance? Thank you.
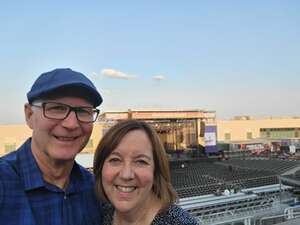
(178, 129)
(245, 128)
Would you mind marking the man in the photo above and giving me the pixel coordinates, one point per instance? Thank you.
(40, 183)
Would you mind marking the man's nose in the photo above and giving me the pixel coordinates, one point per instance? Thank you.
(71, 121)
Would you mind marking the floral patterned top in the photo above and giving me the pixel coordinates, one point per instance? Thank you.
(174, 215)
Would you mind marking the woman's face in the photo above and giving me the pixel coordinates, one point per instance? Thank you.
(127, 174)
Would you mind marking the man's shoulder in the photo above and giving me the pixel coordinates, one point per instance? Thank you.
(8, 165)
(8, 157)
(9, 177)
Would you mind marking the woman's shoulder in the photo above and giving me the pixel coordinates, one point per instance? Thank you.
(107, 211)
(176, 216)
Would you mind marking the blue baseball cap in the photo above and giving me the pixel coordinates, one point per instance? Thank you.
(59, 79)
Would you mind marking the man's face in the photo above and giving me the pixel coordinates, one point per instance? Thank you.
(58, 140)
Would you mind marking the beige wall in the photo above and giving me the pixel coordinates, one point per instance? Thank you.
(17, 134)
(13, 135)
(239, 128)
(95, 138)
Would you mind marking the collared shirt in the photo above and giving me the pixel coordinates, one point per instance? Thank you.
(26, 199)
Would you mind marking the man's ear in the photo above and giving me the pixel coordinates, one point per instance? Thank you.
(28, 114)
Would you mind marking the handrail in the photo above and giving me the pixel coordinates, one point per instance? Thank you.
(295, 215)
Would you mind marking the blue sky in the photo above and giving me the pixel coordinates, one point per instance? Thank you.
(235, 57)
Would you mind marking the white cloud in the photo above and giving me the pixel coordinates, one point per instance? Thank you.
(159, 77)
(116, 74)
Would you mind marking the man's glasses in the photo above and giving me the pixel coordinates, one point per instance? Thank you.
(60, 111)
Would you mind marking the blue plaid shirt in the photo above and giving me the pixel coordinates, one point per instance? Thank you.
(26, 199)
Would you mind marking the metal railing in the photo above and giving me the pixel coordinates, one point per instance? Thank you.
(290, 213)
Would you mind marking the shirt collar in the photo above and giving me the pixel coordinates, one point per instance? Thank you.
(32, 175)
(29, 170)
(80, 179)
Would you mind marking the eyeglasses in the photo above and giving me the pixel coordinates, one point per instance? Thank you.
(60, 111)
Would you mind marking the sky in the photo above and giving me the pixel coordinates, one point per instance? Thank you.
(232, 57)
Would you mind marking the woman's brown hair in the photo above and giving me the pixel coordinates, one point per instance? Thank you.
(162, 186)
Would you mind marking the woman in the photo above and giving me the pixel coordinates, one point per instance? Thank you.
(132, 178)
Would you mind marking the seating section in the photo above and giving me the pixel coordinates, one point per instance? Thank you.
(194, 178)
(273, 165)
